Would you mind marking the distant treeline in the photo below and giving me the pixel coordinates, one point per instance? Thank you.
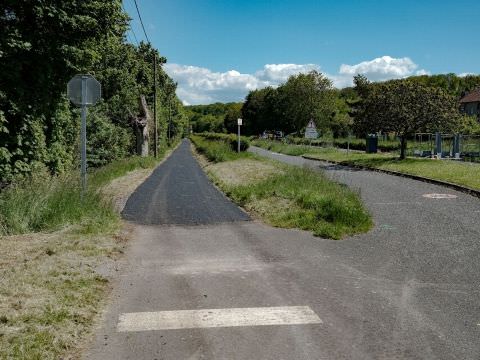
(42, 45)
(302, 97)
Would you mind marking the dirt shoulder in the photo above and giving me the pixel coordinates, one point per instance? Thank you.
(54, 285)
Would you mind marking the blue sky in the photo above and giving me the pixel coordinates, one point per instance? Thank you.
(219, 50)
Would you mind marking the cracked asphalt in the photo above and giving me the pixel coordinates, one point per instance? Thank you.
(409, 289)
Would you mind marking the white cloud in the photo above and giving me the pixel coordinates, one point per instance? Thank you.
(197, 85)
(466, 74)
(382, 68)
(279, 73)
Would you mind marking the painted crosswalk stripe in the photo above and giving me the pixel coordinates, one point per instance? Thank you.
(211, 318)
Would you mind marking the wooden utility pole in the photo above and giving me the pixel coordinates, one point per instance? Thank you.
(155, 138)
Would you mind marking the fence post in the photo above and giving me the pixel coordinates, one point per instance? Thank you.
(438, 145)
(456, 146)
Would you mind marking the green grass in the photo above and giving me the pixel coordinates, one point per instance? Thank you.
(51, 290)
(291, 197)
(217, 150)
(326, 208)
(48, 203)
(456, 172)
(276, 146)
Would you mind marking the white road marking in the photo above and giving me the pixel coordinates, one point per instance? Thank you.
(440, 196)
(398, 203)
(211, 318)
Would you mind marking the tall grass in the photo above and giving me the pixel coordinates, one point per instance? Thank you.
(216, 150)
(327, 208)
(48, 203)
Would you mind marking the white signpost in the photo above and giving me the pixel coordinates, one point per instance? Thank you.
(83, 91)
(311, 130)
(239, 123)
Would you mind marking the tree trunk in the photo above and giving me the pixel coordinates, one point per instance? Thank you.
(140, 124)
(403, 147)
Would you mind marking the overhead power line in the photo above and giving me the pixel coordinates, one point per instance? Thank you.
(134, 35)
(141, 21)
(130, 27)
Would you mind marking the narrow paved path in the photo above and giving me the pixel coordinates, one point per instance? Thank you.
(179, 192)
(409, 289)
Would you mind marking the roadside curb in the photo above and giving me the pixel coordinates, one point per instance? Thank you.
(457, 187)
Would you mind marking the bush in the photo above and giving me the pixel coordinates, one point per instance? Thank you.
(231, 139)
(343, 143)
(216, 150)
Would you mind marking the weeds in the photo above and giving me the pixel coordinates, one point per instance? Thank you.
(286, 196)
(217, 150)
(311, 202)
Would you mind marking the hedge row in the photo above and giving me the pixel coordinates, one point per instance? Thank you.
(355, 144)
(230, 139)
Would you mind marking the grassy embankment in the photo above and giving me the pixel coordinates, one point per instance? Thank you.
(53, 245)
(282, 195)
(456, 172)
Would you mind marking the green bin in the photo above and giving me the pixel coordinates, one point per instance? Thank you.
(372, 144)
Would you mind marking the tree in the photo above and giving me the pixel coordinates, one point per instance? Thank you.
(42, 45)
(233, 114)
(405, 107)
(304, 97)
(259, 112)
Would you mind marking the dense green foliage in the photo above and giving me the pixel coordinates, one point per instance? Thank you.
(403, 107)
(219, 147)
(231, 139)
(454, 85)
(290, 106)
(343, 143)
(42, 45)
(213, 117)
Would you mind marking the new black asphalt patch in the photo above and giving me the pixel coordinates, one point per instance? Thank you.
(179, 193)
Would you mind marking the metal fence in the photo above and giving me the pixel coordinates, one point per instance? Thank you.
(446, 146)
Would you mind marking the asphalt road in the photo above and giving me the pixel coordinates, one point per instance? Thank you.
(409, 289)
(179, 192)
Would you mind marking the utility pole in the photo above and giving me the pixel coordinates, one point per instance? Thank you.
(155, 141)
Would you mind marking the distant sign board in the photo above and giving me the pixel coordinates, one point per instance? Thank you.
(239, 122)
(84, 90)
(311, 130)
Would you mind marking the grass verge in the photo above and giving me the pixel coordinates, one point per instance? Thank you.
(217, 150)
(456, 172)
(54, 282)
(288, 196)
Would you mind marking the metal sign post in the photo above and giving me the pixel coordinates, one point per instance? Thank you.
(239, 123)
(83, 91)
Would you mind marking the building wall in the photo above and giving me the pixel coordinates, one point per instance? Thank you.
(472, 108)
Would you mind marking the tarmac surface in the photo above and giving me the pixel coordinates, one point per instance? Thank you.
(179, 192)
(408, 289)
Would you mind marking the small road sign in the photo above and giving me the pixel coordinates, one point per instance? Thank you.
(84, 90)
(239, 123)
(84, 83)
(311, 130)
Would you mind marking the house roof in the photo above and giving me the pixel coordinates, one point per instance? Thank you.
(473, 96)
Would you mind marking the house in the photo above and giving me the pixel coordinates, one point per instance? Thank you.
(470, 103)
